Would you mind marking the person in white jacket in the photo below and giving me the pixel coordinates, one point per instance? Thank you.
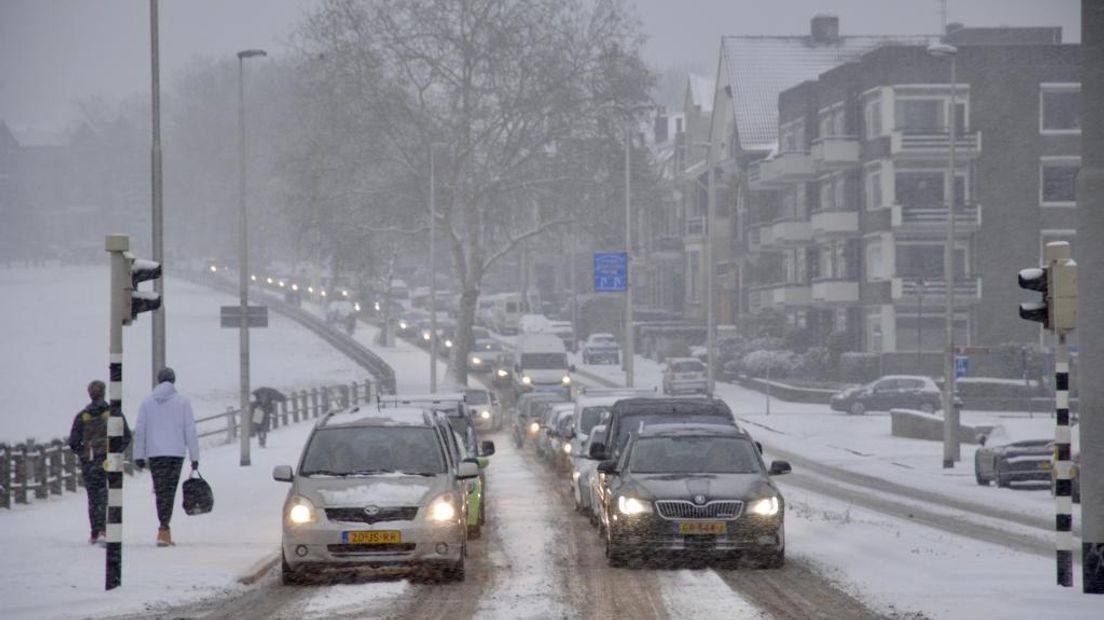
(164, 431)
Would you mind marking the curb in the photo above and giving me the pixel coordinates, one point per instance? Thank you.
(254, 573)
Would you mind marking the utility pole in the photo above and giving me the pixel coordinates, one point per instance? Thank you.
(1090, 257)
(432, 276)
(628, 352)
(158, 323)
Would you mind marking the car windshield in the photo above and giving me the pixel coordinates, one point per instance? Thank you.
(592, 416)
(693, 455)
(603, 340)
(477, 397)
(543, 360)
(688, 366)
(350, 451)
(629, 424)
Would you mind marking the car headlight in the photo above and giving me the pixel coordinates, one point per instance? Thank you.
(301, 511)
(402, 325)
(476, 361)
(567, 380)
(575, 475)
(567, 448)
(485, 414)
(534, 427)
(378, 308)
(503, 373)
(425, 336)
(633, 506)
(442, 508)
(766, 507)
(448, 343)
(526, 380)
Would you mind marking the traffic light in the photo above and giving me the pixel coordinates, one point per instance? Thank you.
(1057, 281)
(138, 301)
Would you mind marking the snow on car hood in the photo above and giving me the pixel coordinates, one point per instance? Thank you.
(404, 491)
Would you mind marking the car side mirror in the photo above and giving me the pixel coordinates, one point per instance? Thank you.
(597, 451)
(777, 468)
(467, 470)
(608, 467)
(487, 448)
(982, 439)
(282, 473)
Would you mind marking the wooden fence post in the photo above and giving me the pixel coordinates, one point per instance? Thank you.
(314, 402)
(70, 464)
(294, 399)
(304, 404)
(231, 424)
(54, 468)
(354, 394)
(5, 475)
(284, 412)
(327, 401)
(42, 489)
(20, 483)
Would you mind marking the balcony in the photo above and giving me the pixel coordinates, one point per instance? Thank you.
(967, 289)
(834, 223)
(835, 152)
(919, 219)
(835, 291)
(933, 145)
(781, 170)
(788, 233)
(783, 294)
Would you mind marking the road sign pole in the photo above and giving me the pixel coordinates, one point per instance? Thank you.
(1063, 503)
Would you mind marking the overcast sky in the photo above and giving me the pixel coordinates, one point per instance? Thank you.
(53, 52)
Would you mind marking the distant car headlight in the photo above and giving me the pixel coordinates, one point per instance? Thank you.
(403, 325)
(448, 343)
(378, 308)
(633, 506)
(766, 507)
(527, 380)
(567, 448)
(425, 336)
(214, 269)
(356, 306)
(442, 509)
(566, 380)
(485, 414)
(476, 361)
(502, 373)
(301, 511)
(534, 427)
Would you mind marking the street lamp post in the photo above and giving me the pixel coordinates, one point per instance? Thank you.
(432, 273)
(245, 427)
(156, 217)
(628, 353)
(951, 450)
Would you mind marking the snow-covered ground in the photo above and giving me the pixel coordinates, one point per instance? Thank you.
(47, 569)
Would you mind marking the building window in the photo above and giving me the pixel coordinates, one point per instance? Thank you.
(827, 195)
(1058, 182)
(918, 189)
(925, 261)
(1060, 108)
(874, 188)
(873, 119)
(875, 264)
(920, 116)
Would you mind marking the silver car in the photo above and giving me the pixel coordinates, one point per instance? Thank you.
(377, 489)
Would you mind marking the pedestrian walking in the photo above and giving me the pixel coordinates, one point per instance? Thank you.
(164, 431)
(88, 439)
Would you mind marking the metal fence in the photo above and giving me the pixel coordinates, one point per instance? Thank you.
(34, 471)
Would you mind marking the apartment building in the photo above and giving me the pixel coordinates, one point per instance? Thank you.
(847, 219)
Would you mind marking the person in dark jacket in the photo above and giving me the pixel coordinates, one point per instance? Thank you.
(88, 438)
(164, 431)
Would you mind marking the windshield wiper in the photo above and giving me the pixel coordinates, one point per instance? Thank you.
(418, 473)
(323, 472)
(371, 472)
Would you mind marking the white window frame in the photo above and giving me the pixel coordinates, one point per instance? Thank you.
(941, 92)
(1054, 160)
(960, 244)
(1057, 87)
(871, 116)
(882, 272)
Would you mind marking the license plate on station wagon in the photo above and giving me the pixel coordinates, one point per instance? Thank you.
(702, 527)
(372, 537)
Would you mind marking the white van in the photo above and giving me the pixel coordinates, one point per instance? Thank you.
(540, 365)
(508, 309)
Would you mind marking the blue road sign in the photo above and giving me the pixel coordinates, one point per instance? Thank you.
(610, 272)
(962, 365)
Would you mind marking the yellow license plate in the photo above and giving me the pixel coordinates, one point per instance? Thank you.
(702, 527)
(374, 537)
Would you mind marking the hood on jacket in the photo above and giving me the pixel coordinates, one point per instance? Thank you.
(164, 391)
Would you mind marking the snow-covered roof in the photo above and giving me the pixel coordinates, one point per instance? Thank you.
(758, 68)
(701, 91)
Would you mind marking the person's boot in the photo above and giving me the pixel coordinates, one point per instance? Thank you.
(164, 537)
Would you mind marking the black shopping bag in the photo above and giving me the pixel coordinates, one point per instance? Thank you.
(198, 498)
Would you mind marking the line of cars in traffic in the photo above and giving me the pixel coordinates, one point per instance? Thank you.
(660, 477)
(393, 485)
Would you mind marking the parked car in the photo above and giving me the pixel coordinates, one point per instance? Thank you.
(684, 375)
(890, 392)
(601, 349)
(367, 483)
(1006, 455)
(483, 354)
(655, 502)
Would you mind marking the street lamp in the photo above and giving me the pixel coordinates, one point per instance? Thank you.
(156, 215)
(245, 427)
(710, 327)
(432, 270)
(951, 451)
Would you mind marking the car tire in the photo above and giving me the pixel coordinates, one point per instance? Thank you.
(927, 407)
(981, 480)
(289, 576)
(475, 532)
(857, 408)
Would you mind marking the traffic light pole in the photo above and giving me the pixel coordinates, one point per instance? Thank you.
(117, 245)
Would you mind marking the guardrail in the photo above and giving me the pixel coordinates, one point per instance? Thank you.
(37, 470)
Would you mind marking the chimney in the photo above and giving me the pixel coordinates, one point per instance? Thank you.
(824, 29)
(661, 125)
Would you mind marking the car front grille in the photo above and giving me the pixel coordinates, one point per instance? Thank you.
(385, 513)
(383, 548)
(682, 509)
